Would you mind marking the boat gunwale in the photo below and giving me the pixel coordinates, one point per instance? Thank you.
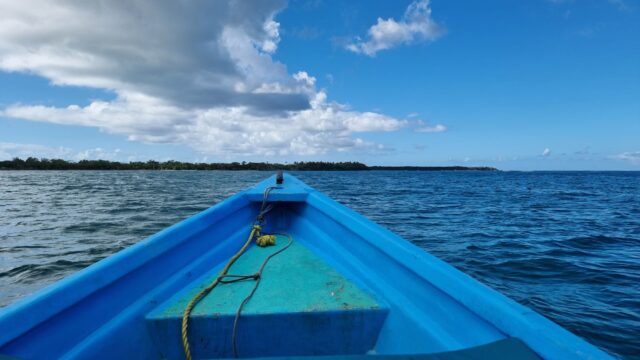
(507, 315)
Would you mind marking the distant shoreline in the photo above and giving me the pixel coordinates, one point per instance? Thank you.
(59, 164)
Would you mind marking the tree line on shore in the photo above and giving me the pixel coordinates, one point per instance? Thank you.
(33, 163)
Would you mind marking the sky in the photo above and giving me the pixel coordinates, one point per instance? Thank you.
(519, 85)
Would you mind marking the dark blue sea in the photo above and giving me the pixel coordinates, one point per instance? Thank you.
(566, 244)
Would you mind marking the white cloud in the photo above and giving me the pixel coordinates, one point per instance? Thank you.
(302, 76)
(10, 150)
(223, 130)
(633, 157)
(437, 128)
(424, 128)
(416, 25)
(546, 152)
(198, 73)
(193, 54)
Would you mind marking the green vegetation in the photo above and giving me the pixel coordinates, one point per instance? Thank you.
(434, 168)
(59, 164)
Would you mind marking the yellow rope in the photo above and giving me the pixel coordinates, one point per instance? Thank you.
(266, 240)
(255, 231)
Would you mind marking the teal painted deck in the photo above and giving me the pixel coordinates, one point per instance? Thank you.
(295, 280)
(302, 304)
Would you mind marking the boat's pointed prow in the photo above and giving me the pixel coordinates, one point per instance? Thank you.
(343, 286)
(289, 189)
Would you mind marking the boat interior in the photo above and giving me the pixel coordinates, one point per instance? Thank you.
(339, 285)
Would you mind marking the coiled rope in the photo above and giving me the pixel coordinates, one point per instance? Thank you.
(261, 240)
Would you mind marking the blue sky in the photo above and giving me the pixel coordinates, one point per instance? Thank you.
(520, 85)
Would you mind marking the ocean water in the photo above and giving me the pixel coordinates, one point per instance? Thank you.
(566, 244)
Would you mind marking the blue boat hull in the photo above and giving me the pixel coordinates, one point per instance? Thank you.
(399, 299)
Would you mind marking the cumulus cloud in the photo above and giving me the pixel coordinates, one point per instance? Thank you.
(546, 152)
(223, 130)
(193, 54)
(198, 73)
(416, 25)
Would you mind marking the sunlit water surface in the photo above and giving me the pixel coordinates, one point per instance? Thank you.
(566, 244)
